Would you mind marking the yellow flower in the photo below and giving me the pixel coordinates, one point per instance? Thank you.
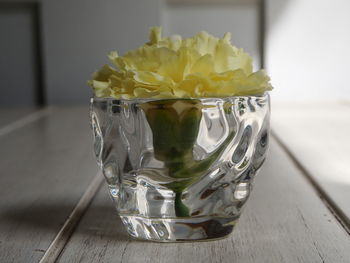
(172, 67)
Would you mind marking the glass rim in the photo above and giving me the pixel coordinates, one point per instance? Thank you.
(261, 95)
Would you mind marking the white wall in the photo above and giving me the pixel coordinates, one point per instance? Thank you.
(307, 42)
(308, 49)
(17, 59)
(78, 35)
(241, 19)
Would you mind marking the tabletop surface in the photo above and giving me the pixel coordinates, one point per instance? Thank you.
(54, 205)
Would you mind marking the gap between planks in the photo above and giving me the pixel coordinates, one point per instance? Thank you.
(25, 120)
(327, 200)
(61, 239)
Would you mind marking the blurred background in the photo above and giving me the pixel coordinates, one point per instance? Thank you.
(48, 48)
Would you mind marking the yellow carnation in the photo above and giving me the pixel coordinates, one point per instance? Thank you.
(172, 67)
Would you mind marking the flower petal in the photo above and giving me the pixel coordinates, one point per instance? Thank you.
(201, 66)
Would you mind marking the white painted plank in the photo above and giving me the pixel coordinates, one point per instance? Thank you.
(67, 229)
(46, 166)
(284, 221)
(11, 114)
(18, 123)
(317, 135)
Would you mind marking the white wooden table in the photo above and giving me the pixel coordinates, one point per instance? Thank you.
(54, 206)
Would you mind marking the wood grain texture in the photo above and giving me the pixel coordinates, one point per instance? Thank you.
(284, 221)
(317, 135)
(45, 168)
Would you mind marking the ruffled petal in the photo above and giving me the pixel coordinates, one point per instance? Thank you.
(172, 67)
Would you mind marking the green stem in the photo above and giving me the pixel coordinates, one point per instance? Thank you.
(180, 209)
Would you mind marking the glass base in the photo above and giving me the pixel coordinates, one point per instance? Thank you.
(179, 229)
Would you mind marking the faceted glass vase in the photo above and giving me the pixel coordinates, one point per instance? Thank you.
(180, 169)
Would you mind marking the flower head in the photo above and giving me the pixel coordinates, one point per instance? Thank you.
(172, 67)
